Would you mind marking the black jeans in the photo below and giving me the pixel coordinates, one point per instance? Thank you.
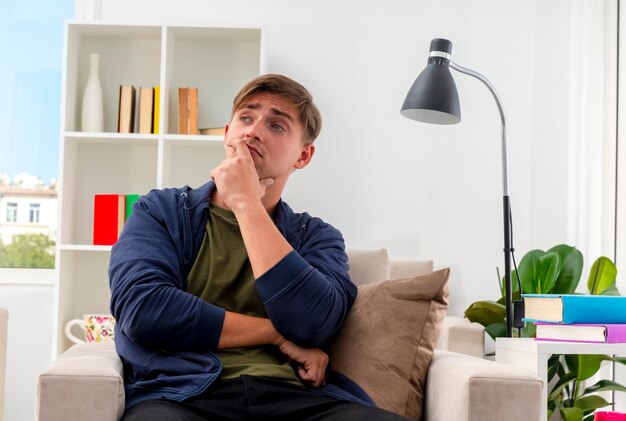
(256, 398)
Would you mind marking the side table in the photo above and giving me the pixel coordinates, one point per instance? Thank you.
(533, 355)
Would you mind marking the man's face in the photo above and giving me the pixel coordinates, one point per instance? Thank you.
(273, 133)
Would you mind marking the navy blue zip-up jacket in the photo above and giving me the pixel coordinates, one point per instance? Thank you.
(165, 336)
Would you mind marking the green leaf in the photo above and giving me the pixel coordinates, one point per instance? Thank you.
(562, 383)
(621, 360)
(549, 265)
(527, 270)
(554, 362)
(496, 330)
(486, 313)
(601, 276)
(591, 403)
(529, 330)
(555, 271)
(571, 414)
(611, 290)
(584, 366)
(604, 385)
(570, 270)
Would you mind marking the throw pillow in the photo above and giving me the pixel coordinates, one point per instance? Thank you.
(389, 337)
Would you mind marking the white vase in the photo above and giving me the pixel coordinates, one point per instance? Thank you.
(92, 117)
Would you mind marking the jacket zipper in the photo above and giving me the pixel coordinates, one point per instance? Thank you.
(186, 223)
(302, 231)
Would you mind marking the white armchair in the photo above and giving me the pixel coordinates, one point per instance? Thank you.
(86, 382)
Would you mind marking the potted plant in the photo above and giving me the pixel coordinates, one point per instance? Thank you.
(557, 271)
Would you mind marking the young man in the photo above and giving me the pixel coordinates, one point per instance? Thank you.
(223, 295)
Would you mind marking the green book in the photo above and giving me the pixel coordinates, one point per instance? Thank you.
(130, 200)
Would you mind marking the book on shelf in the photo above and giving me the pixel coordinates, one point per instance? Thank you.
(146, 109)
(126, 114)
(213, 131)
(187, 110)
(573, 308)
(597, 333)
(130, 201)
(192, 105)
(108, 218)
(157, 105)
(183, 111)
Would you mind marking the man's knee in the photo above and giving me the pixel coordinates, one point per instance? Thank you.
(358, 412)
(158, 410)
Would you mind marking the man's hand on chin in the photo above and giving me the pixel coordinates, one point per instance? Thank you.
(237, 180)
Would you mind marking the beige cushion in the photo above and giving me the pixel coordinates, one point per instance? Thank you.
(409, 268)
(367, 266)
(389, 337)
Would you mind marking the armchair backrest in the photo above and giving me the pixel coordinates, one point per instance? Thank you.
(367, 266)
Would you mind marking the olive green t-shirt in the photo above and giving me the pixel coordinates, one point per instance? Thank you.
(222, 275)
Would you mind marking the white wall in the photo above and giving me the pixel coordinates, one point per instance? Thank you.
(30, 304)
(423, 191)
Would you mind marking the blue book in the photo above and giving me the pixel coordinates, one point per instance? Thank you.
(571, 308)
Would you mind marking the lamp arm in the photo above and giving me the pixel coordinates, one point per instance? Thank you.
(508, 248)
(494, 93)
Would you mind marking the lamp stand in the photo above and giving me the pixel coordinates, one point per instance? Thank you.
(505, 196)
(507, 266)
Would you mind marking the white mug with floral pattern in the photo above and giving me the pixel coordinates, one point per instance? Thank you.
(96, 328)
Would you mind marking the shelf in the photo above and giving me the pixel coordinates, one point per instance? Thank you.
(193, 139)
(84, 247)
(109, 31)
(98, 137)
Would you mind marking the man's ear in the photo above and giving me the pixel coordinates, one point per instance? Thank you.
(305, 156)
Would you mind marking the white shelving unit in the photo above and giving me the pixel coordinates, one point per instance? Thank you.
(219, 61)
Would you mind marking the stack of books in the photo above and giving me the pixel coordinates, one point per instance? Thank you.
(146, 120)
(577, 318)
(110, 214)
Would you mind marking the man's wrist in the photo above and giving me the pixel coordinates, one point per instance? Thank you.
(246, 207)
(280, 339)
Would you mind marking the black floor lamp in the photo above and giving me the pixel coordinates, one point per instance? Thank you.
(433, 98)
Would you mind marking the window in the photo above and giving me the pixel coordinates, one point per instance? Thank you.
(31, 54)
(11, 212)
(33, 213)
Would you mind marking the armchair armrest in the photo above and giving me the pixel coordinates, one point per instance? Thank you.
(460, 335)
(482, 390)
(83, 383)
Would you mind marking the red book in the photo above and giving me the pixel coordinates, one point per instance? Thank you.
(108, 218)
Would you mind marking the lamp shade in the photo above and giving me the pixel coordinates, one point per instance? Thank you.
(433, 97)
